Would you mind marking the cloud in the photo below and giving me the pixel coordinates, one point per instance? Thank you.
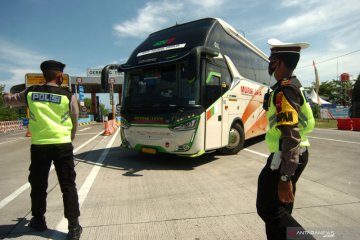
(16, 75)
(331, 27)
(205, 4)
(151, 18)
(313, 17)
(298, 3)
(327, 70)
(17, 55)
(16, 61)
(345, 37)
(161, 14)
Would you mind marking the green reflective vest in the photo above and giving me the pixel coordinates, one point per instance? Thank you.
(306, 123)
(50, 121)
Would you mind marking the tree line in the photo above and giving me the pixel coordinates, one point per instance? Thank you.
(341, 93)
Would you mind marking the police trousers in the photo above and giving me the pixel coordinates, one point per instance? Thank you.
(279, 223)
(63, 158)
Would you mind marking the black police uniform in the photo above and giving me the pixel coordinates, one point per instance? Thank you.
(61, 154)
(279, 223)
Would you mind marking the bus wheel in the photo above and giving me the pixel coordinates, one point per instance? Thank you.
(236, 140)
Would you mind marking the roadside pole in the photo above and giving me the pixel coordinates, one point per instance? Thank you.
(112, 81)
(78, 81)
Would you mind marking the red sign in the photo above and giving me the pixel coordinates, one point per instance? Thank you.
(345, 77)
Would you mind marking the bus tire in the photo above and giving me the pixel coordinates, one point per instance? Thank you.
(236, 140)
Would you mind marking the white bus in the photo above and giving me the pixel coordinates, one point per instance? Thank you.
(193, 88)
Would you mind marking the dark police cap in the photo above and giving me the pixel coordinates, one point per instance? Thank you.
(52, 65)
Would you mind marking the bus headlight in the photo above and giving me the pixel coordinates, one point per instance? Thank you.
(184, 126)
(183, 148)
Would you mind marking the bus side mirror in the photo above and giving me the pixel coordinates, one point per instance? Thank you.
(104, 78)
(105, 75)
(194, 59)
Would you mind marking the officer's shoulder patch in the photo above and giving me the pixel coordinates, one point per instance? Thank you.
(285, 113)
(278, 100)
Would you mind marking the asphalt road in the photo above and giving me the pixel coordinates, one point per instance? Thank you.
(127, 195)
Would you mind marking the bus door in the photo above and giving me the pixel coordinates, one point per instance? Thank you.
(214, 107)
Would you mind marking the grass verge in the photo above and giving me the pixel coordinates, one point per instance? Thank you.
(325, 123)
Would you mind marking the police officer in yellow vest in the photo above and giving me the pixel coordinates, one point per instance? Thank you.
(290, 119)
(53, 122)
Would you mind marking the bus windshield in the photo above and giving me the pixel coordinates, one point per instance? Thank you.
(161, 87)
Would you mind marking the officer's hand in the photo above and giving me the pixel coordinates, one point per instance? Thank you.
(285, 192)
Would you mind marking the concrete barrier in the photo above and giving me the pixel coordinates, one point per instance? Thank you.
(355, 124)
(348, 124)
(110, 127)
(6, 126)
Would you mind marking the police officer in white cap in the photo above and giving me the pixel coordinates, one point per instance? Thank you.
(290, 119)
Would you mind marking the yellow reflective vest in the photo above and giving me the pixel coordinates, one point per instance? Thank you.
(50, 121)
(281, 112)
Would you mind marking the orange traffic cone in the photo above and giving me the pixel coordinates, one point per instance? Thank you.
(28, 133)
(107, 131)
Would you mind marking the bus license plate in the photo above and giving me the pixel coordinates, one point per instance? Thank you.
(148, 150)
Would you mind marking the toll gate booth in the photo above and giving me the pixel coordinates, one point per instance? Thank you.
(90, 84)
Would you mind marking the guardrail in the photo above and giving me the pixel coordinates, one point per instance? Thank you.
(6, 126)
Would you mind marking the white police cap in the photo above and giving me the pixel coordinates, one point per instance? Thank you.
(278, 46)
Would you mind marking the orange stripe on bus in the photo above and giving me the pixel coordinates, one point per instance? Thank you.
(259, 127)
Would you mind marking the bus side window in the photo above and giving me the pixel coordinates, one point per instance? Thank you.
(213, 90)
(225, 78)
(212, 83)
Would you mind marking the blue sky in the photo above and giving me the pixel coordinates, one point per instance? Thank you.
(91, 33)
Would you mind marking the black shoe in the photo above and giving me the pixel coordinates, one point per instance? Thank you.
(74, 233)
(38, 223)
(75, 229)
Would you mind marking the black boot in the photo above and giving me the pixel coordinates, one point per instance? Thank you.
(75, 229)
(38, 223)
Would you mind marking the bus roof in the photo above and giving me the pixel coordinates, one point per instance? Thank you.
(232, 32)
(176, 42)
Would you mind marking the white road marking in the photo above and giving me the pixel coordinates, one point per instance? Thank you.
(84, 129)
(261, 154)
(335, 140)
(82, 134)
(12, 196)
(85, 188)
(24, 187)
(14, 134)
(9, 141)
(328, 139)
(13, 140)
(87, 142)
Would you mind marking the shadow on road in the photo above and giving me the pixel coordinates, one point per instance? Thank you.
(132, 161)
(253, 141)
(19, 229)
